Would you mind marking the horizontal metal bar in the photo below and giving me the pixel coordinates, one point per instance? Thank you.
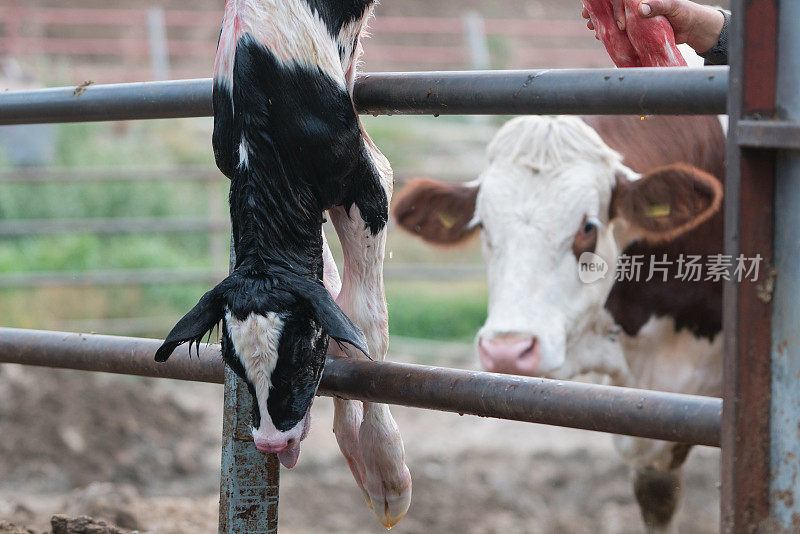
(648, 414)
(125, 101)
(779, 135)
(120, 225)
(683, 91)
(641, 91)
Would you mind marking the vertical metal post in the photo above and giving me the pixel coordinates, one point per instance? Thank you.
(785, 405)
(761, 436)
(475, 36)
(157, 37)
(248, 496)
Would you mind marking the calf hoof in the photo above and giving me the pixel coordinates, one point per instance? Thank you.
(390, 499)
(388, 481)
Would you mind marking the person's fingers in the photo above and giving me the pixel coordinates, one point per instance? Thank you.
(619, 13)
(651, 8)
(585, 13)
(589, 25)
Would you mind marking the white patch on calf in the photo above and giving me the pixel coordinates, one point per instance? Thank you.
(256, 341)
(290, 29)
(244, 153)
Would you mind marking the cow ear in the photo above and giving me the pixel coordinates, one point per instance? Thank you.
(666, 202)
(440, 213)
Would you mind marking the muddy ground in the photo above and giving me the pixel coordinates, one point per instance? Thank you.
(144, 454)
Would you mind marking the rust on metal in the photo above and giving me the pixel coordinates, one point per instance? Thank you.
(747, 316)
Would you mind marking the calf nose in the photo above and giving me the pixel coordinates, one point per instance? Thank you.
(273, 444)
(511, 355)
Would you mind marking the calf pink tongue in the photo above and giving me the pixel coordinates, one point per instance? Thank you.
(288, 458)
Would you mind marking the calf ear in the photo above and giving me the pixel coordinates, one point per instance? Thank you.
(438, 212)
(330, 317)
(194, 325)
(666, 202)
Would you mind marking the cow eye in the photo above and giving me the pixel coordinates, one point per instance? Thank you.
(591, 224)
(586, 237)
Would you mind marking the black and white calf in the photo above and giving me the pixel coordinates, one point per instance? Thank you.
(287, 135)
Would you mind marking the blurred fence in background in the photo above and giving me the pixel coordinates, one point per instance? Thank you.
(73, 45)
(212, 223)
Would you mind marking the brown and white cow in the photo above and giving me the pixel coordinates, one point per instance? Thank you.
(556, 188)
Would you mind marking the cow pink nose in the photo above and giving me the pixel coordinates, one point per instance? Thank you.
(510, 355)
(273, 445)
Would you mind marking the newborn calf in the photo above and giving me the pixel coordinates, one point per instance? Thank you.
(287, 135)
(643, 43)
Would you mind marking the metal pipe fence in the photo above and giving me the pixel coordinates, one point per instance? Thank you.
(686, 91)
(633, 412)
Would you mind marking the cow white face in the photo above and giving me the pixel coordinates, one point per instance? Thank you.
(543, 202)
(555, 199)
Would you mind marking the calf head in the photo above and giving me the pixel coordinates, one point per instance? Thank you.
(274, 337)
(553, 201)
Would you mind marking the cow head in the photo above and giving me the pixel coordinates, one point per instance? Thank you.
(553, 201)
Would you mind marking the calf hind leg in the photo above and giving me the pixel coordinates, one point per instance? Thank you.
(347, 414)
(387, 480)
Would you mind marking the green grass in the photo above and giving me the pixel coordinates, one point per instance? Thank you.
(422, 309)
(448, 311)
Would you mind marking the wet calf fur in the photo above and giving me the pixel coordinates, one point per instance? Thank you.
(288, 137)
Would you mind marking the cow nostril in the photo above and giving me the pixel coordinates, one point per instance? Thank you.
(531, 351)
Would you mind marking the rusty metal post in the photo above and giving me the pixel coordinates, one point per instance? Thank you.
(760, 437)
(785, 398)
(248, 494)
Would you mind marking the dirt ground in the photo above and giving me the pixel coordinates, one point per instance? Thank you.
(144, 454)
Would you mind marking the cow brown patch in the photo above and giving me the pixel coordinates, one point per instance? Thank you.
(658, 141)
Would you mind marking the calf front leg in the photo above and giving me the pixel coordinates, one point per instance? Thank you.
(387, 479)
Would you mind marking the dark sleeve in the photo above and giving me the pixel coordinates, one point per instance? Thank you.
(718, 54)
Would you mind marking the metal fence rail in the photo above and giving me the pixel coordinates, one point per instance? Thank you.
(683, 91)
(633, 412)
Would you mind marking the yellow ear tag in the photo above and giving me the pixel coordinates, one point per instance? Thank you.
(446, 220)
(659, 210)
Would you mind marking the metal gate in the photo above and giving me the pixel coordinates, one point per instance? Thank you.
(757, 425)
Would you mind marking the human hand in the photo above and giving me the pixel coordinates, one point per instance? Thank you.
(697, 25)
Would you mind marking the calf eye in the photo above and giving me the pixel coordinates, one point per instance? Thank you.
(586, 237)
